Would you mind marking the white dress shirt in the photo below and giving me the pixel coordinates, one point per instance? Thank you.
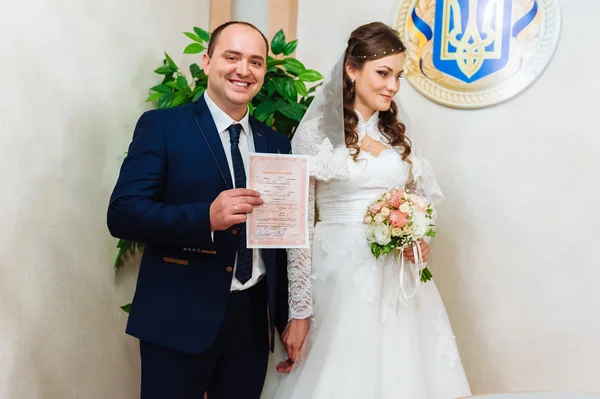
(246, 146)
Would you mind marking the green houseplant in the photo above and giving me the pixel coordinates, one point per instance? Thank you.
(287, 92)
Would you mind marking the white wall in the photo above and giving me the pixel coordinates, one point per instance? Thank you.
(255, 11)
(515, 256)
(74, 77)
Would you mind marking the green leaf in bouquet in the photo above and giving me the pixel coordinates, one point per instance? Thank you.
(180, 98)
(194, 37)
(278, 42)
(388, 248)
(430, 233)
(161, 88)
(196, 71)
(164, 70)
(198, 93)
(194, 48)
(182, 82)
(376, 250)
(153, 97)
(204, 35)
(171, 63)
(426, 275)
(165, 100)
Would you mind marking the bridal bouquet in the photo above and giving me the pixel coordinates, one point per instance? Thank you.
(396, 221)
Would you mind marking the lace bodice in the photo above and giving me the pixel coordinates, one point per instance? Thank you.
(344, 201)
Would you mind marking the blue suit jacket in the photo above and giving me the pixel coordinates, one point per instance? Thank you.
(174, 170)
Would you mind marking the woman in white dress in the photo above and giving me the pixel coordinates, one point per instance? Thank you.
(370, 336)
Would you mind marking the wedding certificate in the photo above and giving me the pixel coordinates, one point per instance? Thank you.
(282, 221)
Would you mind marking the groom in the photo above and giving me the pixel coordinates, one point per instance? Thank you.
(205, 305)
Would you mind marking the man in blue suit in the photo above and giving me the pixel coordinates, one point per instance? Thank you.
(205, 305)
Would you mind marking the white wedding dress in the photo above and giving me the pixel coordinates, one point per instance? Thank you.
(366, 341)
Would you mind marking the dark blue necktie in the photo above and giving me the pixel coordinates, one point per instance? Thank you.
(243, 271)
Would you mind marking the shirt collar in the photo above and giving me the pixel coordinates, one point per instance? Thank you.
(222, 120)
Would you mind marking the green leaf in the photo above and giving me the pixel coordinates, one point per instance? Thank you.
(171, 63)
(310, 75)
(180, 98)
(274, 61)
(290, 47)
(173, 85)
(430, 233)
(278, 42)
(194, 37)
(123, 246)
(126, 308)
(182, 82)
(314, 88)
(285, 87)
(198, 94)
(270, 88)
(165, 100)
(269, 120)
(301, 88)
(153, 97)
(293, 111)
(204, 35)
(194, 48)
(375, 250)
(294, 66)
(164, 70)
(268, 107)
(161, 89)
(283, 124)
(196, 71)
(251, 108)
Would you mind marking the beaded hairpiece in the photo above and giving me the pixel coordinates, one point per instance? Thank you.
(394, 50)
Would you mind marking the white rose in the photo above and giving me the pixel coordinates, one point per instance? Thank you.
(397, 232)
(404, 208)
(385, 212)
(420, 224)
(368, 219)
(379, 218)
(371, 233)
(382, 234)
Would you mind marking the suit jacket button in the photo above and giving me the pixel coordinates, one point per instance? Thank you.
(234, 232)
(229, 269)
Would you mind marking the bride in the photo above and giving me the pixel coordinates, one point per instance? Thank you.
(356, 331)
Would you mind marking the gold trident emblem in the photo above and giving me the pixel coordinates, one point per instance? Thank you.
(471, 47)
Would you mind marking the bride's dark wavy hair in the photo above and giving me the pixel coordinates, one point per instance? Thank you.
(370, 42)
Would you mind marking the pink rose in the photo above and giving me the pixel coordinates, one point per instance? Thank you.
(396, 199)
(375, 208)
(397, 219)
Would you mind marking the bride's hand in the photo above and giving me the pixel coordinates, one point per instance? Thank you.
(294, 335)
(409, 253)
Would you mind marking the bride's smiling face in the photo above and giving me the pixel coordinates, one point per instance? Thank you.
(376, 83)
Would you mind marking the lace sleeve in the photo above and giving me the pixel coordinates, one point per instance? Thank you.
(300, 266)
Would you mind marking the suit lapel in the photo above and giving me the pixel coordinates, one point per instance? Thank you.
(207, 128)
(260, 142)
